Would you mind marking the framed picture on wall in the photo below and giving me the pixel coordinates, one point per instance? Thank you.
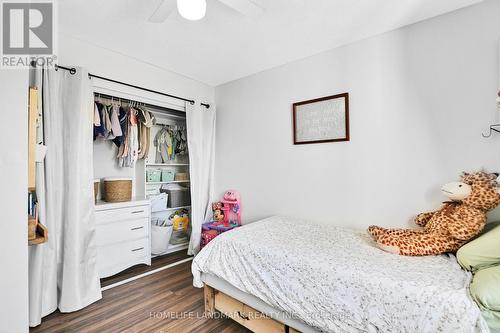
(320, 120)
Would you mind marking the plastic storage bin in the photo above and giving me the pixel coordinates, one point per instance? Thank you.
(179, 237)
(180, 224)
(167, 175)
(178, 196)
(160, 238)
(158, 202)
(153, 175)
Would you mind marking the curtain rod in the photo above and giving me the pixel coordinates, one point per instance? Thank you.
(72, 70)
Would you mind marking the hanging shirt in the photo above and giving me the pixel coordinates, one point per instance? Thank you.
(122, 116)
(99, 131)
(107, 122)
(97, 118)
(115, 121)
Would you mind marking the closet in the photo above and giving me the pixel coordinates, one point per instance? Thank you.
(160, 181)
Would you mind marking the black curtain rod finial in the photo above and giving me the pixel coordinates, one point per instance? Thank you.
(71, 70)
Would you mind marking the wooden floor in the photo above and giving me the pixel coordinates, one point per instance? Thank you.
(159, 303)
(156, 262)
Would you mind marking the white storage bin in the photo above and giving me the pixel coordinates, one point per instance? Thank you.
(160, 238)
(158, 202)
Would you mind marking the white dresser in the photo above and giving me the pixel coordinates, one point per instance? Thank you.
(123, 233)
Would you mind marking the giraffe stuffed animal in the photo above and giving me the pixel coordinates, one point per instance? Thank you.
(450, 227)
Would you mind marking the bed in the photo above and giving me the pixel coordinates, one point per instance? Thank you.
(307, 277)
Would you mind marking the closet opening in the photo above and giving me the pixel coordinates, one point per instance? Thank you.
(141, 151)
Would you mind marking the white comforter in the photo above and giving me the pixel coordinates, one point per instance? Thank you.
(336, 280)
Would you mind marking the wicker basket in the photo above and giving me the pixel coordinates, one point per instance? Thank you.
(117, 189)
(97, 182)
(181, 176)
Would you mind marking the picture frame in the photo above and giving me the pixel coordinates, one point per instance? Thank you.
(321, 120)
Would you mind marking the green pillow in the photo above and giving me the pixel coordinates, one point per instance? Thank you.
(482, 252)
(485, 289)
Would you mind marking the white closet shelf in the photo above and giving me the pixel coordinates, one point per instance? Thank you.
(173, 248)
(170, 182)
(170, 208)
(167, 164)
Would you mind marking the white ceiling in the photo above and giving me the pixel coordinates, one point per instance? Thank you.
(227, 45)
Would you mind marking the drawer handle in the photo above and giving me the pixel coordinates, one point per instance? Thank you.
(137, 228)
(242, 316)
(138, 211)
(138, 249)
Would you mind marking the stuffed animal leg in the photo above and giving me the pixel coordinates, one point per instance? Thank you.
(392, 240)
(416, 243)
(377, 232)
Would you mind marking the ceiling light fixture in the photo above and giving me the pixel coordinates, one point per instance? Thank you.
(192, 10)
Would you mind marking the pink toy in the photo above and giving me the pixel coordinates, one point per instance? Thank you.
(207, 236)
(231, 208)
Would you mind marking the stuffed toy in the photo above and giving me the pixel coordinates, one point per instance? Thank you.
(450, 227)
(218, 215)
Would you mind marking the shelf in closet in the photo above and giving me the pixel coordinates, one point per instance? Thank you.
(170, 182)
(170, 208)
(166, 164)
(173, 248)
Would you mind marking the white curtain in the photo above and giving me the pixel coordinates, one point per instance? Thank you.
(201, 145)
(62, 272)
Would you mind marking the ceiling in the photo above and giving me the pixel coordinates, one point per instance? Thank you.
(227, 45)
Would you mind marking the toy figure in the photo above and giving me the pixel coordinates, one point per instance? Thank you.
(232, 208)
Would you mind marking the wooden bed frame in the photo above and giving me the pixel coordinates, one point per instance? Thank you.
(245, 315)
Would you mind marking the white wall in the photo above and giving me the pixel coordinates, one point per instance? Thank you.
(104, 62)
(13, 201)
(420, 97)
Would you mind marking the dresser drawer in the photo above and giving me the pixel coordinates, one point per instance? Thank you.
(114, 258)
(125, 230)
(120, 214)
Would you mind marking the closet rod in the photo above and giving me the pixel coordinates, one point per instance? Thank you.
(72, 70)
(154, 108)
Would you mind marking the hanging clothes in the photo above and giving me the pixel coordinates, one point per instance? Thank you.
(161, 143)
(146, 120)
(115, 122)
(133, 138)
(129, 128)
(169, 142)
(122, 118)
(99, 128)
(107, 122)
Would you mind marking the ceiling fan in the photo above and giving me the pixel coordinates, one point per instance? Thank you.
(195, 9)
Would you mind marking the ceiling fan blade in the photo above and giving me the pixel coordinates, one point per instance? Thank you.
(163, 11)
(245, 7)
